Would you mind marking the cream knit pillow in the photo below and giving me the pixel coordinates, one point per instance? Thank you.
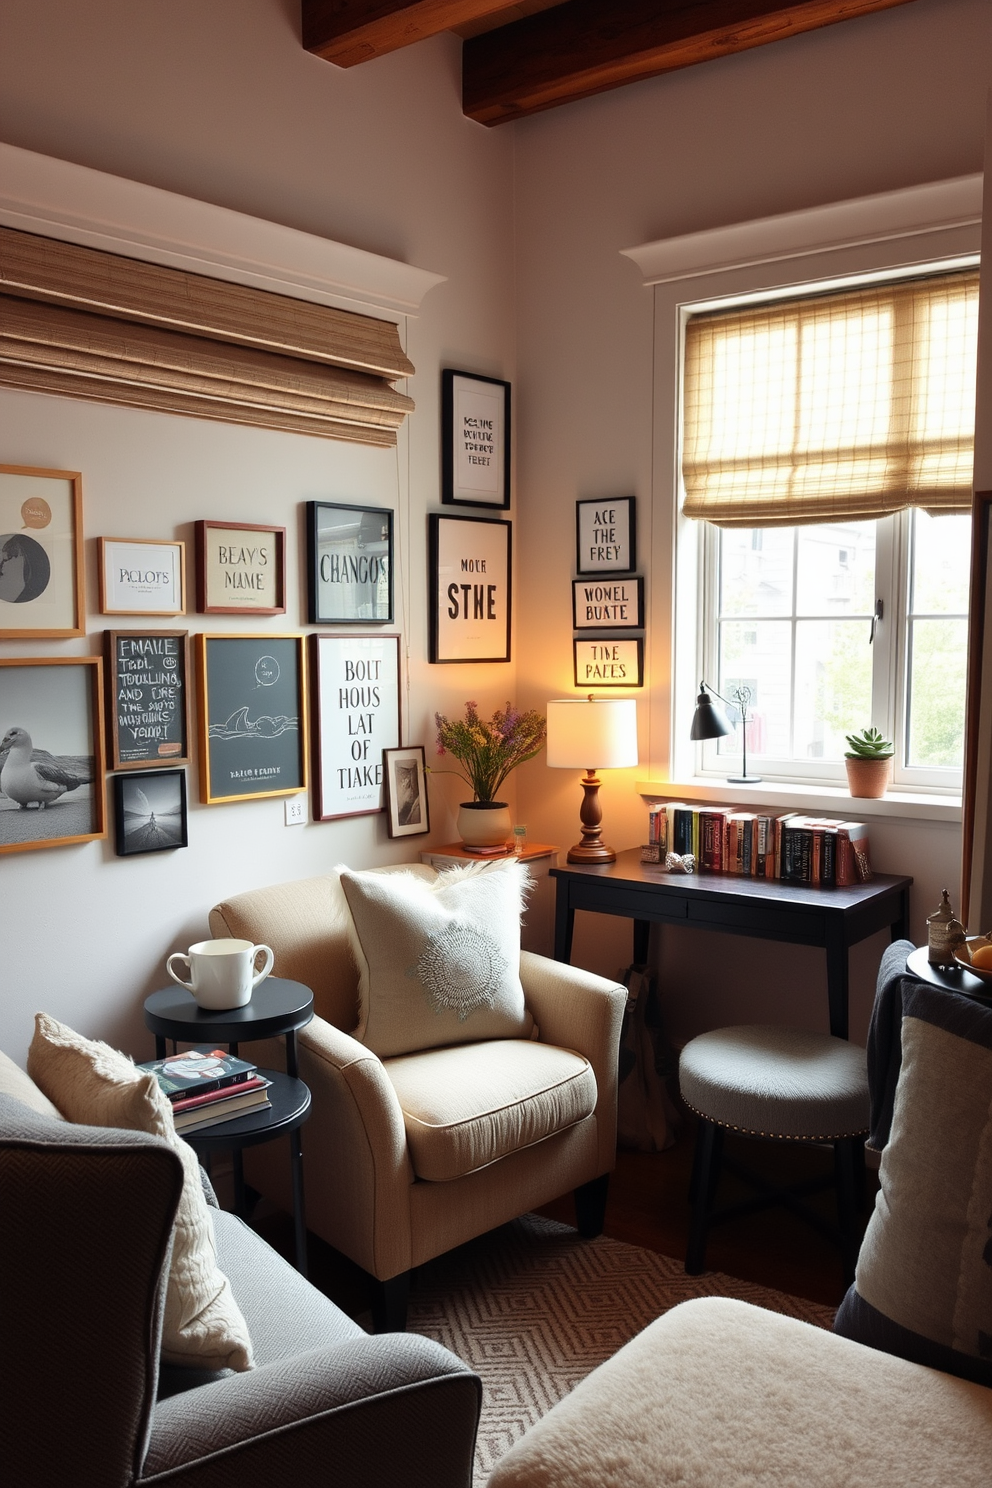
(438, 963)
(95, 1085)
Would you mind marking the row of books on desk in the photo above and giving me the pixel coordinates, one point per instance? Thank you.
(821, 851)
(207, 1086)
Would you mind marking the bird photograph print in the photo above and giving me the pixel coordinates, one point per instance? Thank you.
(47, 762)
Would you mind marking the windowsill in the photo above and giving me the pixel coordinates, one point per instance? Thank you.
(825, 799)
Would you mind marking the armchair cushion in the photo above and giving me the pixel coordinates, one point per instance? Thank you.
(467, 1106)
(438, 962)
(95, 1085)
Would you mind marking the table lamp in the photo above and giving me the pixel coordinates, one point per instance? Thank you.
(592, 734)
(710, 722)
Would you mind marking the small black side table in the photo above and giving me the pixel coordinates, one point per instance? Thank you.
(278, 1008)
(950, 978)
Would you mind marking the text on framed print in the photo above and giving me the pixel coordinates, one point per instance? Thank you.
(605, 537)
(252, 716)
(141, 576)
(475, 440)
(615, 604)
(604, 662)
(356, 716)
(240, 566)
(349, 564)
(469, 589)
(147, 697)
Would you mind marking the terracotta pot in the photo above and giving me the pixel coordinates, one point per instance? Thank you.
(868, 777)
(484, 824)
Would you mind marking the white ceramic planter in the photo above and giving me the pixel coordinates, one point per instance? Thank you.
(484, 824)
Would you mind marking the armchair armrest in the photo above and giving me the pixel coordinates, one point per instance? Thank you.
(379, 1411)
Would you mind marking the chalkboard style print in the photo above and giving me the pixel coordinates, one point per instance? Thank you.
(150, 812)
(41, 552)
(349, 564)
(356, 718)
(147, 698)
(469, 589)
(51, 752)
(252, 716)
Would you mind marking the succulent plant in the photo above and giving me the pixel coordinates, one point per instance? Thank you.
(869, 744)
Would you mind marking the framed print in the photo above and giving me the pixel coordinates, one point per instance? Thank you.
(356, 716)
(147, 697)
(349, 564)
(469, 589)
(475, 440)
(240, 569)
(407, 814)
(141, 576)
(607, 604)
(51, 751)
(41, 553)
(605, 536)
(252, 716)
(150, 812)
(601, 661)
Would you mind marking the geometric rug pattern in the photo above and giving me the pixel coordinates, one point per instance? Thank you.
(532, 1308)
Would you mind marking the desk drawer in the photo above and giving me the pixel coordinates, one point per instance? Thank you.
(804, 927)
(606, 898)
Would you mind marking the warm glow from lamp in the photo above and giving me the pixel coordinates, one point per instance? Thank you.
(592, 734)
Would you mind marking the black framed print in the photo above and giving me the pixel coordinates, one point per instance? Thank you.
(470, 589)
(252, 716)
(607, 604)
(407, 813)
(150, 812)
(605, 536)
(475, 440)
(349, 564)
(356, 716)
(601, 661)
(147, 697)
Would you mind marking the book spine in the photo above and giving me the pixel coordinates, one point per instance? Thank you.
(761, 850)
(747, 847)
(209, 1097)
(829, 870)
(711, 841)
(204, 1087)
(682, 838)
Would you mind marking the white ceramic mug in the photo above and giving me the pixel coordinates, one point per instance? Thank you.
(221, 972)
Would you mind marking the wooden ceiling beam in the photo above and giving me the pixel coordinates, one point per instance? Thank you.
(351, 31)
(586, 47)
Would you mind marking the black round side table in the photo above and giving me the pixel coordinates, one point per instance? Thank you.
(951, 978)
(278, 1008)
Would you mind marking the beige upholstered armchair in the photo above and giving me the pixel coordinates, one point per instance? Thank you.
(405, 1158)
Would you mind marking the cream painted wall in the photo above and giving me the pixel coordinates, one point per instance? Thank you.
(882, 102)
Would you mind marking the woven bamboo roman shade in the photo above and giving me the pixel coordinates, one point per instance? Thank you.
(835, 407)
(88, 324)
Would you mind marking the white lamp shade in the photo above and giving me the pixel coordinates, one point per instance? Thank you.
(592, 733)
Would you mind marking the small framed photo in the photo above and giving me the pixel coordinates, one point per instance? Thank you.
(147, 697)
(349, 564)
(607, 604)
(475, 440)
(407, 813)
(605, 536)
(602, 661)
(51, 752)
(470, 589)
(252, 717)
(150, 812)
(240, 569)
(356, 716)
(41, 553)
(142, 576)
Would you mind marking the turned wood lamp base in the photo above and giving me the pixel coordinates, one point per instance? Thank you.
(592, 848)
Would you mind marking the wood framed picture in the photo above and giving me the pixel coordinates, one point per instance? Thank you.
(407, 813)
(602, 661)
(470, 589)
(607, 604)
(141, 576)
(356, 715)
(240, 568)
(147, 697)
(252, 716)
(150, 812)
(605, 536)
(475, 439)
(41, 553)
(51, 751)
(349, 564)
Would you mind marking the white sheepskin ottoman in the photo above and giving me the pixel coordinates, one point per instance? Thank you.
(720, 1394)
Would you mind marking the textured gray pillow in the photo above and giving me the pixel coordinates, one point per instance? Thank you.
(923, 1285)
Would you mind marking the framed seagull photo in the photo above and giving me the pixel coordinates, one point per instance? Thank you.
(51, 751)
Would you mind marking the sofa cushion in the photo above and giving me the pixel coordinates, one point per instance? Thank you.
(95, 1085)
(16, 1082)
(923, 1284)
(439, 963)
(469, 1105)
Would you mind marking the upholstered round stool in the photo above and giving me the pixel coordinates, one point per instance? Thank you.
(787, 1085)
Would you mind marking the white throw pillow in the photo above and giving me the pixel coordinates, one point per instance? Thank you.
(95, 1085)
(438, 963)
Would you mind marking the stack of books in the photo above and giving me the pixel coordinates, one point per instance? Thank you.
(822, 851)
(207, 1086)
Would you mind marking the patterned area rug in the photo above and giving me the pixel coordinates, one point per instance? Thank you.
(533, 1308)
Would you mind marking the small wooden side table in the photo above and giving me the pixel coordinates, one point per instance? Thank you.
(537, 924)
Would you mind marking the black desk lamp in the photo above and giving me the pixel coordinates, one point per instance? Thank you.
(710, 722)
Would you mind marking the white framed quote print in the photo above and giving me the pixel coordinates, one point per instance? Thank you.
(470, 587)
(475, 440)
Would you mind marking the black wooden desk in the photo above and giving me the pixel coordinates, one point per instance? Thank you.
(767, 908)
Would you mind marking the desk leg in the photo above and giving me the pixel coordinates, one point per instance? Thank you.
(564, 924)
(837, 980)
(299, 1222)
(642, 932)
(899, 929)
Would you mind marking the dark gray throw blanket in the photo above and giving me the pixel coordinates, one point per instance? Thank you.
(885, 1040)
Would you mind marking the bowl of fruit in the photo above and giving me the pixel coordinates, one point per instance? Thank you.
(976, 956)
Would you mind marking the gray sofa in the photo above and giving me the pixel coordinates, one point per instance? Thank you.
(86, 1217)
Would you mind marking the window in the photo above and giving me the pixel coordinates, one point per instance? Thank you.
(827, 454)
